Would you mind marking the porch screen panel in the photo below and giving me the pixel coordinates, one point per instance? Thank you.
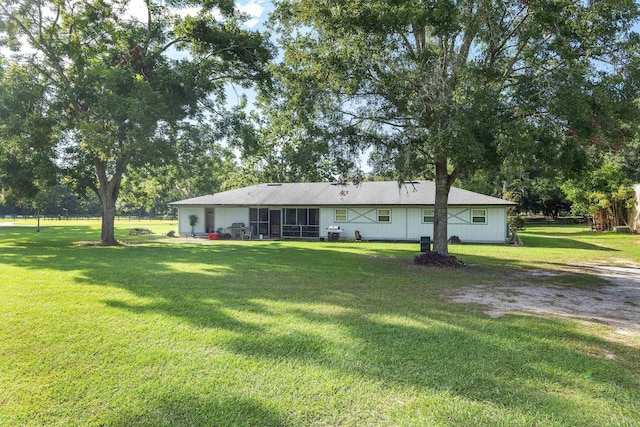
(301, 222)
(289, 223)
(259, 221)
(290, 216)
(303, 216)
(314, 216)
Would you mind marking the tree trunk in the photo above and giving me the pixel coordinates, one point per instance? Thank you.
(441, 215)
(514, 239)
(108, 236)
(108, 191)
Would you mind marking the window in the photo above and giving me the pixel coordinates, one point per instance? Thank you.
(341, 215)
(479, 216)
(384, 215)
(428, 215)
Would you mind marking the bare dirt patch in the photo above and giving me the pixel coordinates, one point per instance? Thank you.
(617, 304)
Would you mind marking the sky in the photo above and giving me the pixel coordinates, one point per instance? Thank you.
(258, 11)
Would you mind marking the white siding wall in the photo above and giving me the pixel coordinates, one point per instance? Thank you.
(184, 229)
(494, 231)
(227, 216)
(407, 224)
(223, 218)
(365, 220)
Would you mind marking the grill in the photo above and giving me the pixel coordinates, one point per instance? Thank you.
(333, 233)
(236, 229)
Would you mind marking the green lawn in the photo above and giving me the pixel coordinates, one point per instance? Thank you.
(190, 332)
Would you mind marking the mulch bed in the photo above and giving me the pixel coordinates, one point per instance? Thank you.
(137, 231)
(93, 243)
(438, 260)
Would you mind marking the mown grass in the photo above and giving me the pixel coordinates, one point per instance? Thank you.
(177, 333)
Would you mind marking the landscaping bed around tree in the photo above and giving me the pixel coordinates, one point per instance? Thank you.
(176, 332)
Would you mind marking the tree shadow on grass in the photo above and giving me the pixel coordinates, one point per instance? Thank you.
(48, 237)
(314, 306)
(178, 410)
(561, 243)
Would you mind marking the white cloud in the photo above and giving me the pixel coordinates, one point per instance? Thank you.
(136, 10)
(254, 9)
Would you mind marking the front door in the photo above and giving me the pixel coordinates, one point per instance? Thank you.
(274, 223)
(209, 224)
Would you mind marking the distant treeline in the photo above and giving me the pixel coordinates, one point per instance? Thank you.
(122, 217)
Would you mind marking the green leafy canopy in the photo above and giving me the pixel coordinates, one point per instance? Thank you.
(123, 87)
(444, 88)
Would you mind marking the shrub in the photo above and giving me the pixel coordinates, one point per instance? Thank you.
(516, 223)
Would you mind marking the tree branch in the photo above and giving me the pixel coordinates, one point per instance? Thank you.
(171, 43)
(380, 120)
(453, 176)
(148, 38)
(37, 44)
(508, 37)
(407, 44)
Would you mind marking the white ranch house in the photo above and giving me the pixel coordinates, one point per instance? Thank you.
(378, 210)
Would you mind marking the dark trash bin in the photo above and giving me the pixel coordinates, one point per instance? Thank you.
(425, 244)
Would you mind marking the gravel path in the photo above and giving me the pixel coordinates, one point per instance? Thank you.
(617, 305)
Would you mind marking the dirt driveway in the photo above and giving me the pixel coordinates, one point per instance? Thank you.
(617, 304)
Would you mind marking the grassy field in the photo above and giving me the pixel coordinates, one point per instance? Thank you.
(190, 332)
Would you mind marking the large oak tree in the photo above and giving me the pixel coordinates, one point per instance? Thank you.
(447, 87)
(124, 78)
(26, 136)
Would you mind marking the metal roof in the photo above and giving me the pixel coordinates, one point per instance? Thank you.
(373, 193)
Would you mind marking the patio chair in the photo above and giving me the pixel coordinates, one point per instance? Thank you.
(246, 233)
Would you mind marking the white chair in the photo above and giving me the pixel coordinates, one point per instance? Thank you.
(246, 233)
